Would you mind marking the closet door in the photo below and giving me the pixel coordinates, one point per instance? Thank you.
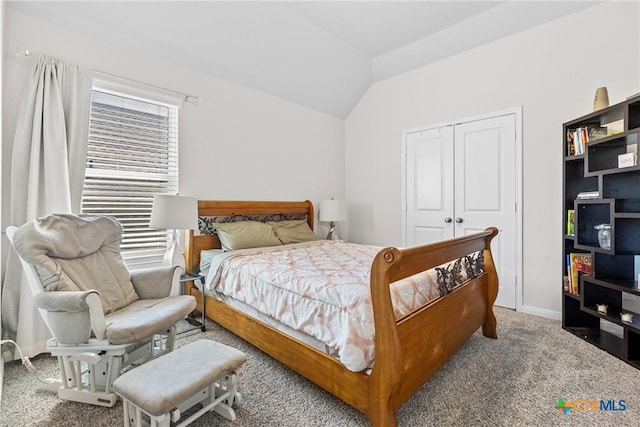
(461, 179)
(429, 186)
(485, 191)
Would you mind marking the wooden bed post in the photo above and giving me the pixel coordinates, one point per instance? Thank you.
(489, 327)
(385, 377)
(310, 214)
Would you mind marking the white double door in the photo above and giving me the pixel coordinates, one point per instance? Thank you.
(461, 179)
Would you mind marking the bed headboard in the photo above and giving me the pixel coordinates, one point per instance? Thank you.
(247, 209)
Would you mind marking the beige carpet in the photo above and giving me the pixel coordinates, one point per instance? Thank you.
(513, 381)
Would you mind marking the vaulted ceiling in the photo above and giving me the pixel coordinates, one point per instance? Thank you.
(320, 54)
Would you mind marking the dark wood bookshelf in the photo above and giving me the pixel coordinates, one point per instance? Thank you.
(613, 277)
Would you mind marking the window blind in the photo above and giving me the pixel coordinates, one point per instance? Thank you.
(132, 155)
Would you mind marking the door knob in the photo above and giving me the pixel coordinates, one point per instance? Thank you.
(458, 220)
(447, 219)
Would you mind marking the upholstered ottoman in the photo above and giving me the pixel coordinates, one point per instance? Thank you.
(200, 372)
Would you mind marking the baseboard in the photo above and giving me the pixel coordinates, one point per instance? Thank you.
(555, 315)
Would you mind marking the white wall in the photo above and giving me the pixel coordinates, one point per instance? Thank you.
(242, 144)
(2, 12)
(237, 144)
(552, 71)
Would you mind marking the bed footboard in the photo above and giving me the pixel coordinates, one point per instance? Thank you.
(410, 350)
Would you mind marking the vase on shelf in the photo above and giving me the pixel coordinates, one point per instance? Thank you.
(604, 235)
(601, 99)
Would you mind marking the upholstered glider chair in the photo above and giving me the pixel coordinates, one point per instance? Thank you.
(103, 318)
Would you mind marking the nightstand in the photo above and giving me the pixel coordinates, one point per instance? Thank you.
(188, 276)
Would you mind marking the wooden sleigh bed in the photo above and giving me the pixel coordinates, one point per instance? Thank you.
(407, 351)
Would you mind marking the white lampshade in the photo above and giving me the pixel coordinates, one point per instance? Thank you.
(332, 210)
(174, 212)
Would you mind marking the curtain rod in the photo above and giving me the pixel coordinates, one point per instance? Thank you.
(191, 99)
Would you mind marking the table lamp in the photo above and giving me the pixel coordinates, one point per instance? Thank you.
(172, 212)
(332, 211)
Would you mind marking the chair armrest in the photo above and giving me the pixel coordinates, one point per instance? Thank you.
(66, 308)
(68, 301)
(156, 282)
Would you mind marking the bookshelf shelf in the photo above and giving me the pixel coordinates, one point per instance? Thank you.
(574, 157)
(596, 190)
(621, 285)
(602, 339)
(570, 295)
(602, 155)
(614, 317)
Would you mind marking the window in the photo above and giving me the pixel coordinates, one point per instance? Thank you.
(132, 155)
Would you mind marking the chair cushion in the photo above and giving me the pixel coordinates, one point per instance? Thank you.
(143, 318)
(72, 253)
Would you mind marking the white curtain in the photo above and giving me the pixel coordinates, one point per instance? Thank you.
(47, 175)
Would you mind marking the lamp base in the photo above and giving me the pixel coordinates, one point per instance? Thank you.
(174, 255)
(332, 226)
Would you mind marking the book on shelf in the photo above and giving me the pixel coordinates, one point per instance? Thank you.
(578, 138)
(586, 195)
(576, 141)
(596, 132)
(569, 284)
(584, 138)
(579, 264)
(627, 160)
(615, 127)
(571, 148)
(570, 222)
(583, 265)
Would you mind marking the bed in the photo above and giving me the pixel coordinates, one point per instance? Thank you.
(408, 350)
